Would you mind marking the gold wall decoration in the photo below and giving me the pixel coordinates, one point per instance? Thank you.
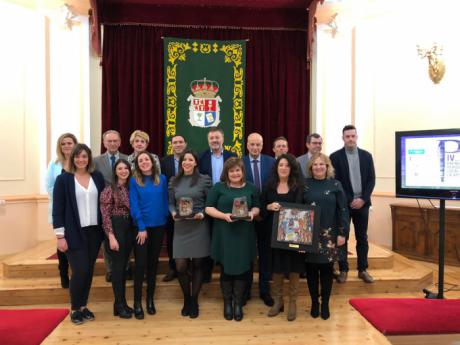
(436, 65)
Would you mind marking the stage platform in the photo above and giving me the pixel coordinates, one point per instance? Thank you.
(29, 278)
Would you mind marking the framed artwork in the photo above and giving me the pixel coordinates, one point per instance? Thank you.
(185, 208)
(296, 227)
(240, 209)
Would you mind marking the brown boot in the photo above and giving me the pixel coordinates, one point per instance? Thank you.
(277, 290)
(293, 292)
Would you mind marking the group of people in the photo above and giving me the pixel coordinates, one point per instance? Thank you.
(129, 202)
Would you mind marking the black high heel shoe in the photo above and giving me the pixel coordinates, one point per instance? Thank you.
(120, 310)
(138, 312)
(150, 306)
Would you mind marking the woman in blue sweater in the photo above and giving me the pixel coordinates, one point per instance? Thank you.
(148, 197)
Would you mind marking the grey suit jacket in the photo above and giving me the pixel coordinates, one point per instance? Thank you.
(103, 166)
(303, 160)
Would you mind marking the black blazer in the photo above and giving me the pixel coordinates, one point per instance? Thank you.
(205, 164)
(65, 209)
(167, 167)
(342, 173)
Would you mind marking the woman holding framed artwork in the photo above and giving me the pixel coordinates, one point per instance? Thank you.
(233, 243)
(285, 185)
(191, 243)
(321, 189)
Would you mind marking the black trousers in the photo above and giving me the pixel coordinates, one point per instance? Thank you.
(82, 264)
(169, 243)
(124, 233)
(360, 220)
(63, 264)
(146, 256)
(264, 252)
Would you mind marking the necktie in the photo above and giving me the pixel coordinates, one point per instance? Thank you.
(112, 160)
(256, 174)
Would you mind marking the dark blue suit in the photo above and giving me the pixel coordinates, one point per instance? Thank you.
(265, 165)
(205, 165)
(83, 243)
(169, 170)
(263, 234)
(360, 217)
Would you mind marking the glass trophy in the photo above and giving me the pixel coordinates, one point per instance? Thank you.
(185, 208)
(240, 209)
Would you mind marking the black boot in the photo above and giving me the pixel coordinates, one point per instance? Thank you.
(150, 305)
(127, 307)
(194, 308)
(325, 310)
(313, 289)
(326, 277)
(239, 289)
(186, 308)
(227, 291)
(120, 310)
(138, 311)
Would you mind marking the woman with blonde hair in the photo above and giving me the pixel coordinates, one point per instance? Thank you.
(64, 146)
(323, 190)
(139, 141)
(148, 198)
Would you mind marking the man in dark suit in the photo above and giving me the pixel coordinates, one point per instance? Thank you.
(104, 164)
(258, 168)
(212, 160)
(354, 168)
(212, 163)
(170, 168)
(314, 144)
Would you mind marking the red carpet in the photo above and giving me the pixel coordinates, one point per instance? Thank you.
(404, 316)
(28, 326)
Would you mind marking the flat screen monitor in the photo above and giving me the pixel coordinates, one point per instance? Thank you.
(428, 164)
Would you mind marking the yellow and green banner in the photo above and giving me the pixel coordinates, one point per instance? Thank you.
(204, 86)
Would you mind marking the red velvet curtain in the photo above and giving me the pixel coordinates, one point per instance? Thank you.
(277, 82)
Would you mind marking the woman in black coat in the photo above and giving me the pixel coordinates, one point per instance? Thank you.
(77, 224)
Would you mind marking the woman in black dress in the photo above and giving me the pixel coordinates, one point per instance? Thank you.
(286, 185)
(324, 191)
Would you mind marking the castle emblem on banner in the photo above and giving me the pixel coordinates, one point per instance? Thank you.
(204, 110)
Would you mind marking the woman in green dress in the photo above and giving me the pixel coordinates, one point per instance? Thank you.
(327, 193)
(233, 243)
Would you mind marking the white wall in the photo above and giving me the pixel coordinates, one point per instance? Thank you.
(389, 83)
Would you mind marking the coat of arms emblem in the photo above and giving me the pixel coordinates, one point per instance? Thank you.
(204, 110)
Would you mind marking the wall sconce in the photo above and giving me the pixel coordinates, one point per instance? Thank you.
(436, 66)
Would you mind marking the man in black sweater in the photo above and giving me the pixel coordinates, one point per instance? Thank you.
(354, 168)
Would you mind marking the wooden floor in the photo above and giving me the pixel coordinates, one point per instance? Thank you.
(28, 279)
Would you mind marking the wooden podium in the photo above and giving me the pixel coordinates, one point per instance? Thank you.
(416, 232)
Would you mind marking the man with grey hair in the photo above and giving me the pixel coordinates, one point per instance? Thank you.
(314, 144)
(111, 140)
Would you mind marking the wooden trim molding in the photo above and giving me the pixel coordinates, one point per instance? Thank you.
(25, 198)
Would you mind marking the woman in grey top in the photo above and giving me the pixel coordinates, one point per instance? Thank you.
(191, 243)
